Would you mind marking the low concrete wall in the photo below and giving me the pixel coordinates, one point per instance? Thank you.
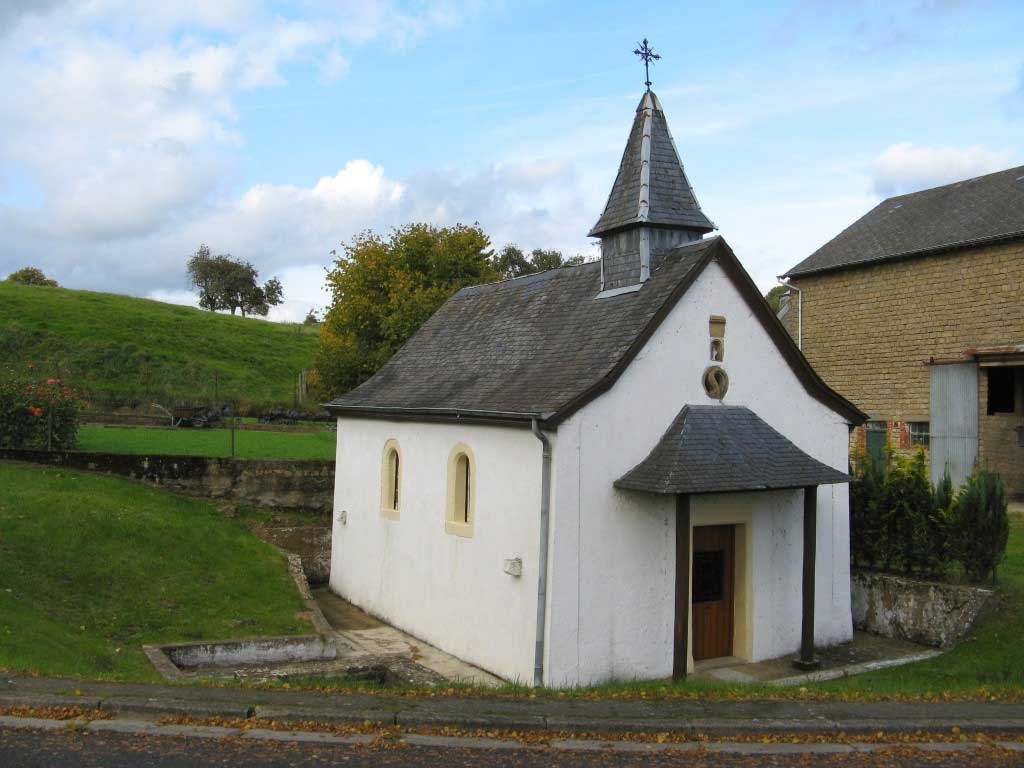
(927, 612)
(310, 541)
(278, 483)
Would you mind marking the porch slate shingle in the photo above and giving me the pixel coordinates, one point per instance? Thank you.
(722, 448)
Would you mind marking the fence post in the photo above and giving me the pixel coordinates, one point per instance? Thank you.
(49, 429)
(233, 419)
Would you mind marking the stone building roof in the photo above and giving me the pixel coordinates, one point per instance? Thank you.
(972, 212)
(721, 448)
(543, 345)
(651, 186)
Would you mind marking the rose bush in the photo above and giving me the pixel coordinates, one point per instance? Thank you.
(38, 412)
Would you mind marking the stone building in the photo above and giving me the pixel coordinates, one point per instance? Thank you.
(615, 470)
(915, 312)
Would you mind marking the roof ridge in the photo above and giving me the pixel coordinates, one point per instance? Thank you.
(979, 177)
(524, 277)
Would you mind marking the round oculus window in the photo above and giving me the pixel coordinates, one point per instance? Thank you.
(716, 382)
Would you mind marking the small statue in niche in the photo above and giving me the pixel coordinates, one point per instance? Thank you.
(717, 350)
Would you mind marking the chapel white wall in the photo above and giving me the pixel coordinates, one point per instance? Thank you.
(613, 558)
(447, 590)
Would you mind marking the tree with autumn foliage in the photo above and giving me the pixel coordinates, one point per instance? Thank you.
(384, 288)
(31, 276)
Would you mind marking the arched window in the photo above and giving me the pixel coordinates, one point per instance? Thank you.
(460, 516)
(391, 481)
(463, 478)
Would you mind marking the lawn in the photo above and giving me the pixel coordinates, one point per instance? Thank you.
(249, 444)
(92, 567)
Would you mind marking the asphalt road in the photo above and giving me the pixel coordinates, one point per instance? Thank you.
(70, 749)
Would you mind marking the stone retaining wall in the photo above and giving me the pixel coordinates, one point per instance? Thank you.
(927, 612)
(278, 483)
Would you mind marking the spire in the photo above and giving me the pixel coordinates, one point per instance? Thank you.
(651, 208)
(651, 186)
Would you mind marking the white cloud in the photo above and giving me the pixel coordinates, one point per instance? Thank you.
(908, 167)
(335, 66)
(119, 117)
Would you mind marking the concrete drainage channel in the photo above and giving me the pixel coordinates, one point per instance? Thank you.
(263, 657)
(327, 654)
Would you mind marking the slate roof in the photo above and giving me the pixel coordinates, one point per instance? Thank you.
(671, 201)
(721, 448)
(971, 212)
(543, 345)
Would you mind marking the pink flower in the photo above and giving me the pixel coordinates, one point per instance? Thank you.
(51, 382)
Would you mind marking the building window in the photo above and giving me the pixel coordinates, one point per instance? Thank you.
(1000, 390)
(461, 514)
(919, 433)
(391, 481)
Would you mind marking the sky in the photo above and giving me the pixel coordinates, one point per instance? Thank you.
(132, 132)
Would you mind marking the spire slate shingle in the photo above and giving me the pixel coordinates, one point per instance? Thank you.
(668, 199)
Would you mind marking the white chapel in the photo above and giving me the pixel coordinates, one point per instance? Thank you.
(609, 471)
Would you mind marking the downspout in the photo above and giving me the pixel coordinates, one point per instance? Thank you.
(799, 312)
(542, 564)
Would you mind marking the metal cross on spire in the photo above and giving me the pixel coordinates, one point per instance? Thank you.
(648, 55)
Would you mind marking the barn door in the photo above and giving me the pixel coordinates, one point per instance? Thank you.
(713, 577)
(953, 407)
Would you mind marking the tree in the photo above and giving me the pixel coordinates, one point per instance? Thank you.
(383, 289)
(774, 297)
(228, 283)
(311, 318)
(31, 276)
(512, 262)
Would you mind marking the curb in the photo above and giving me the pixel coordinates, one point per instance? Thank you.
(145, 728)
(414, 715)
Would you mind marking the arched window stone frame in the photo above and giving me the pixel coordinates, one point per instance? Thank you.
(391, 481)
(460, 509)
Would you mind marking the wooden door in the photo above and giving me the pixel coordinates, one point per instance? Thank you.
(713, 577)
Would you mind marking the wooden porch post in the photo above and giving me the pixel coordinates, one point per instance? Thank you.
(807, 660)
(681, 650)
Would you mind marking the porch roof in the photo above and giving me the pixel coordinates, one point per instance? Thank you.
(722, 448)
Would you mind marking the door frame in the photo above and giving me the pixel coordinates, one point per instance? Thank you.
(736, 510)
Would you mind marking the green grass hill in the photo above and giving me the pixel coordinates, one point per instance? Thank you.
(120, 349)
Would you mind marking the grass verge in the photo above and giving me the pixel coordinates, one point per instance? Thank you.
(249, 444)
(93, 567)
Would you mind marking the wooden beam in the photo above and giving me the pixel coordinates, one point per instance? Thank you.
(681, 649)
(807, 659)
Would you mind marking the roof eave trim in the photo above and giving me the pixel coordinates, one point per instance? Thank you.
(626, 486)
(813, 383)
(465, 416)
(929, 251)
(605, 382)
(598, 231)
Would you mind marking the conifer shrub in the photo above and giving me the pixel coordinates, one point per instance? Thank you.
(865, 510)
(897, 521)
(980, 525)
